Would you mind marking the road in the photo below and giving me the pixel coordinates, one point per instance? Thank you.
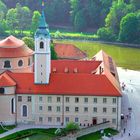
(131, 98)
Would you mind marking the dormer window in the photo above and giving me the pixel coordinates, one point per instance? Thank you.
(41, 45)
(7, 64)
(2, 90)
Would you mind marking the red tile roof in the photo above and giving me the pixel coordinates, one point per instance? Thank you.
(12, 47)
(69, 51)
(66, 84)
(6, 80)
(71, 65)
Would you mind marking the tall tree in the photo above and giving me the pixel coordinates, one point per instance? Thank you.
(35, 20)
(11, 19)
(129, 28)
(118, 10)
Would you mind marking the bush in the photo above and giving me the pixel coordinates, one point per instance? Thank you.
(106, 34)
(71, 127)
(29, 42)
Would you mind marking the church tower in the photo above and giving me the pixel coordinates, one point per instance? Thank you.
(42, 52)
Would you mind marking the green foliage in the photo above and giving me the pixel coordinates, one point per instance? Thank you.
(97, 135)
(136, 4)
(80, 21)
(29, 42)
(53, 53)
(35, 20)
(117, 11)
(71, 127)
(11, 19)
(106, 34)
(129, 28)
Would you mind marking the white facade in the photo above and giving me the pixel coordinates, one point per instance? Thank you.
(59, 109)
(42, 60)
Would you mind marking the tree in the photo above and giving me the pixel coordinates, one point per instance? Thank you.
(35, 20)
(3, 10)
(106, 34)
(53, 53)
(11, 19)
(136, 4)
(29, 42)
(129, 28)
(80, 21)
(23, 17)
(118, 10)
(71, 127)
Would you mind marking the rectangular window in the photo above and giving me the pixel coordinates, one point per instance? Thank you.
(86, 100)
(40, 119)
(114, 100)
(19, 98)
(58, 109)
(85, 109)
(29, 98)
(95, 100)
(76, 100)
(67, 109)
(104, 110)
(94, 109)
(58, 119)
(67, 119)
(113, 110)
(49, 108)
(104, 119)
(49, 119)
(104, 100)
(114, 121)
(76, 120)
(67, 99)
(49, 99)
(76, 109)
(58, 99)
(40, 99)
(40, 108)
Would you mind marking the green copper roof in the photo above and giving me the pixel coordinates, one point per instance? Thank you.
(43, 27)
(42, 22)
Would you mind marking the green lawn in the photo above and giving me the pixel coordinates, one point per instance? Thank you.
(7, 127)
(32, 134)
(125, 57)
(97, 135)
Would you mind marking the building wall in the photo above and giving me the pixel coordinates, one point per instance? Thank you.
(14, 64)
(6, 115)
(38, 112)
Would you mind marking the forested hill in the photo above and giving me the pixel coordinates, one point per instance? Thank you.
(112, 19)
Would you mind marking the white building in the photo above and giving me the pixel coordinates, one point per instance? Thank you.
(57, 91)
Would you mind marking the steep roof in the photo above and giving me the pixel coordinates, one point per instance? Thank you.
(109, 68)
(66, 84)
(12, 47)
(6, 80)
(79, 66)
(69, 51)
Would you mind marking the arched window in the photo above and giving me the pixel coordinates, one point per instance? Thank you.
(13, 105)
(7, 64)
(2, 90)
(24, 111)
(41, 45)
(20, 63)
(29, 62)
